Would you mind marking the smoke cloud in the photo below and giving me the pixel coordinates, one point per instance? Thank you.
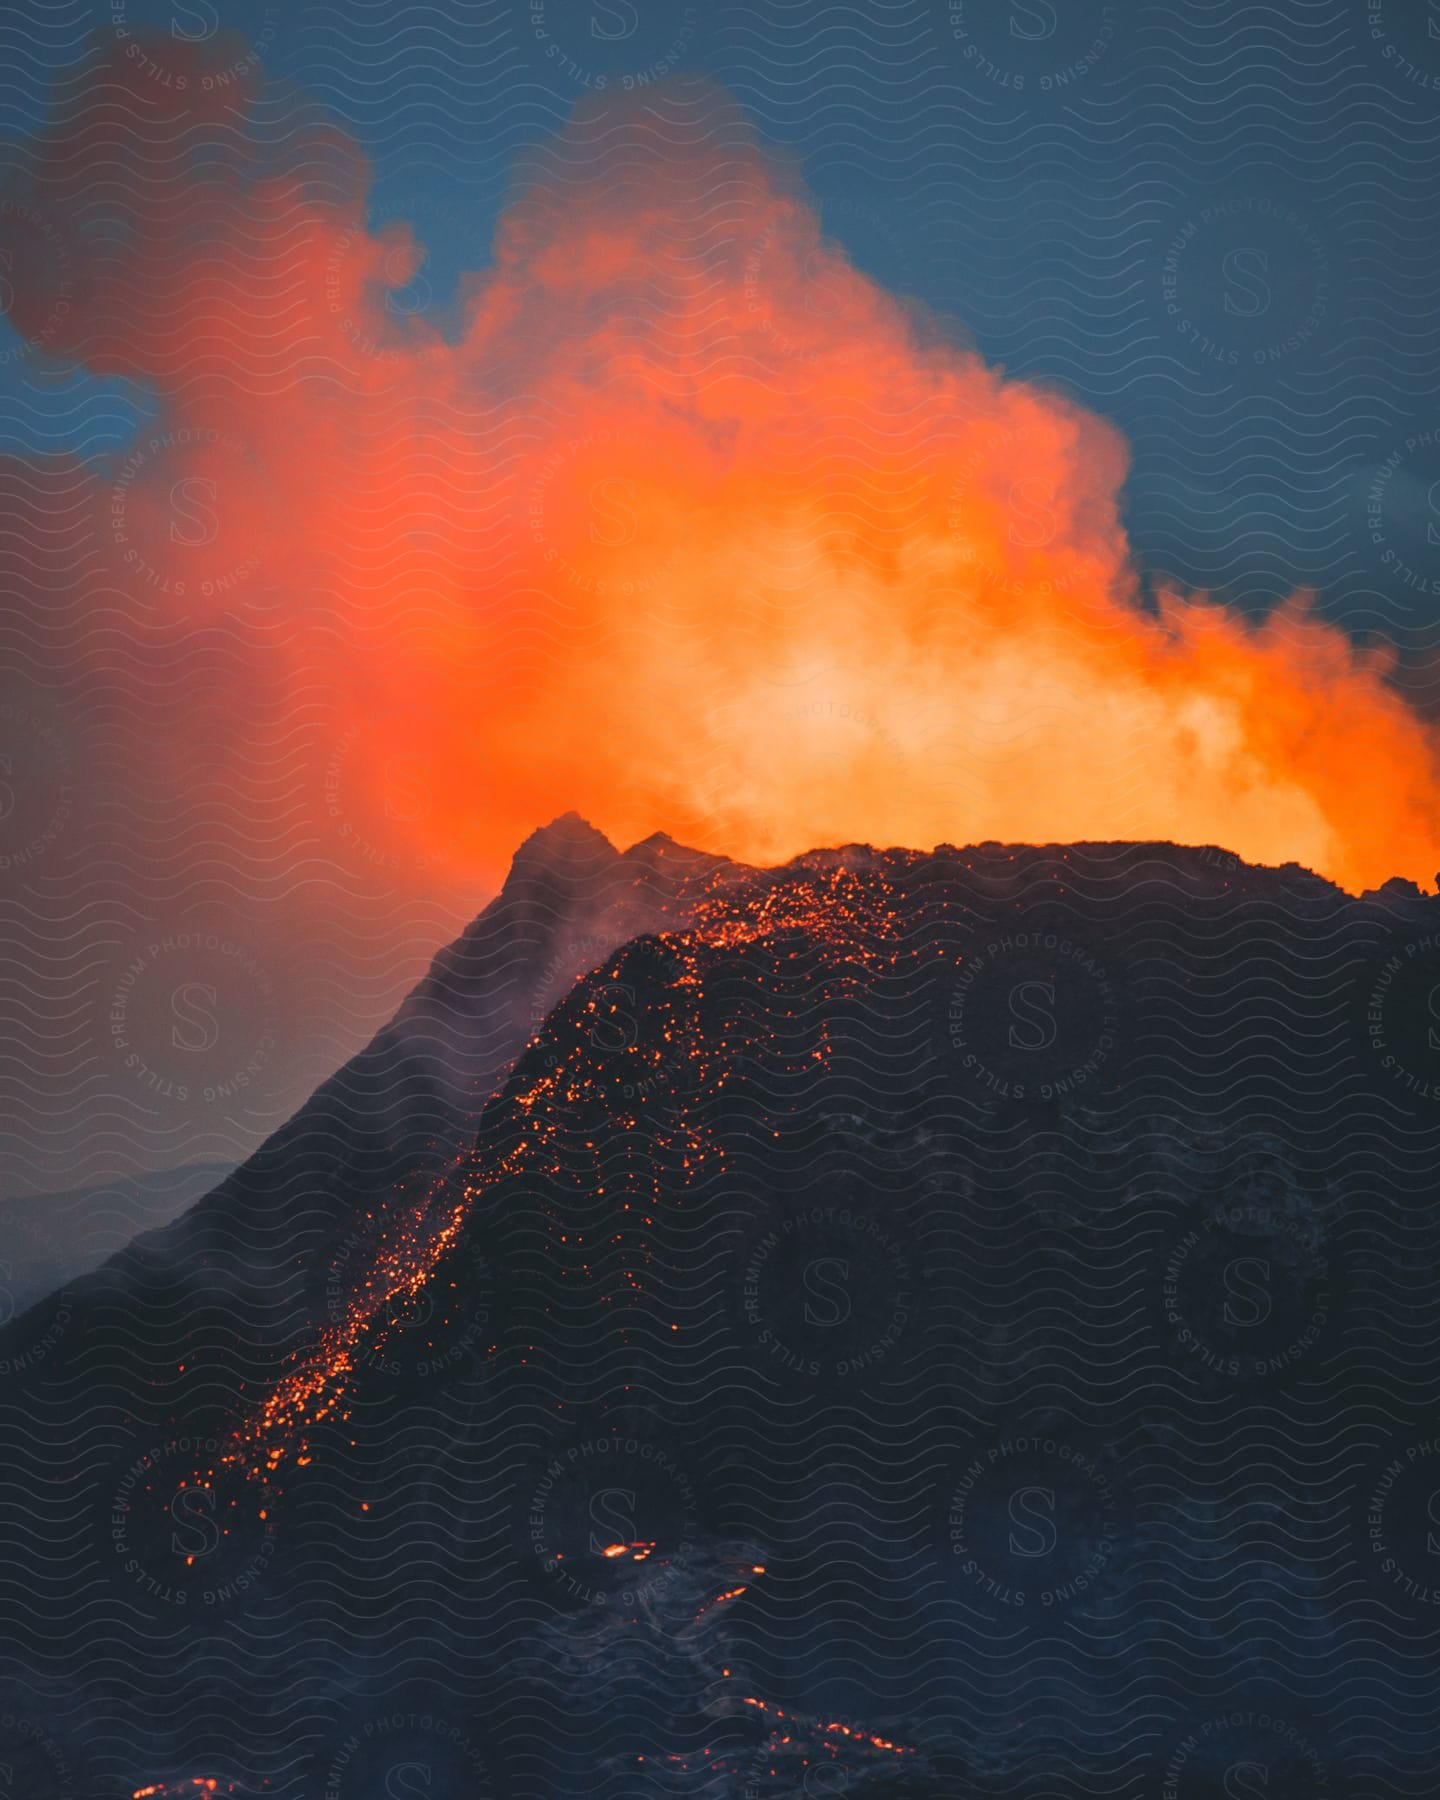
(677, 519)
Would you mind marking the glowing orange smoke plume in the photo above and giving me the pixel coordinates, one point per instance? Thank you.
(683, 523)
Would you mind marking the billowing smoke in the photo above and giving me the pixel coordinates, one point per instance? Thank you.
(680, 521)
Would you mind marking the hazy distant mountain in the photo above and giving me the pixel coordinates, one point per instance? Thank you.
(48, 1240)
(911, 1324)
(404, 1105)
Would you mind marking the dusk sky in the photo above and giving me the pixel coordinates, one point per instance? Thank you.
(1209, 227)
(720, 874)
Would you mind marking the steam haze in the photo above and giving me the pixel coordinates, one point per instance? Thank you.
(689, 525)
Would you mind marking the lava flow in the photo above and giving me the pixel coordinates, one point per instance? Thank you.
(847, 914)
(790, 1735)
(196, 1787)
(796, 1734)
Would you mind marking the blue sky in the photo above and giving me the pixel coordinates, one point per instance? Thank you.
(1212, 224)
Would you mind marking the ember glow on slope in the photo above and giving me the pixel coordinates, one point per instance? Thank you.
(851, 916)
(688, 526)
(849, 913)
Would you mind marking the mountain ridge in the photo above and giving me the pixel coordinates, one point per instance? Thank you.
(571, 895)
(674, 1421)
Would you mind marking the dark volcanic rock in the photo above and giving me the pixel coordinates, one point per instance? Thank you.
(401, 1109)
(1007, 1274)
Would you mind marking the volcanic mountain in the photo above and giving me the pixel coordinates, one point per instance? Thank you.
(899, 1323)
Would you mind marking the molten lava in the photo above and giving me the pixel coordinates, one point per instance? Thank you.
(789, 1735)
(196, 1787)
(849, 914)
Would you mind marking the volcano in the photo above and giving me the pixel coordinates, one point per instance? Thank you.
(900, 1323)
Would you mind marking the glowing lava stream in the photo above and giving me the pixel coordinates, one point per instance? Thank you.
(197, 1787)
(852, 916)
(850, 913)
(834, 1734)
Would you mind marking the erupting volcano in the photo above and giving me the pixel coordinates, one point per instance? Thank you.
(919, 1276)
(810, 1335)
(682, 521)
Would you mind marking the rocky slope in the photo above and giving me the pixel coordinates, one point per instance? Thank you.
(914, 1323)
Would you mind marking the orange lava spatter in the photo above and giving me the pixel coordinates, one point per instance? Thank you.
(849, 914)
(195, 1787)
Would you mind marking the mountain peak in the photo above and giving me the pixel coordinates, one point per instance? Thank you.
(568, 845)
(566, 832)
(682, 859)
